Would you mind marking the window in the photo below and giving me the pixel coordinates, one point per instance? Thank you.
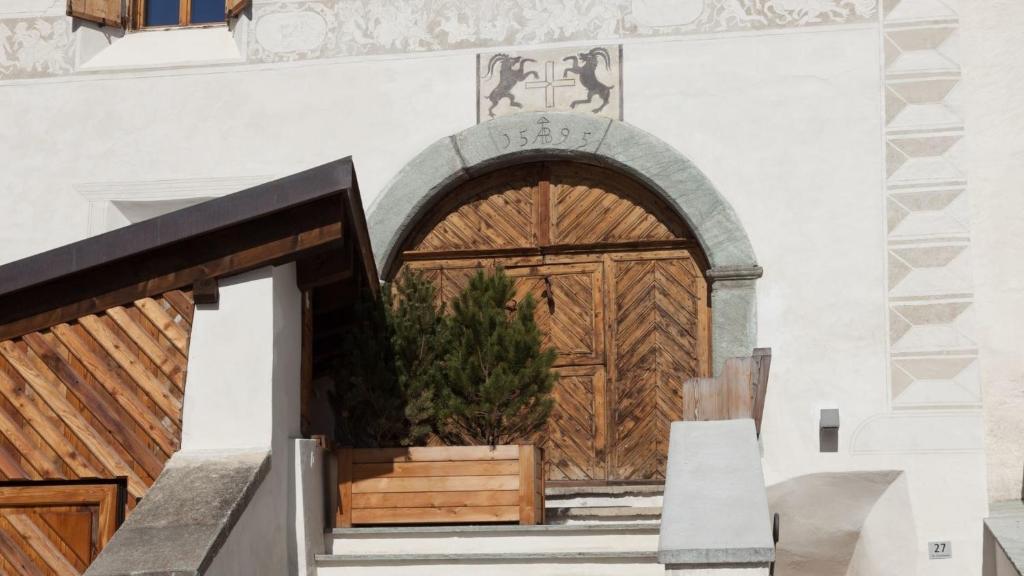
(155, 13)
(181, 12)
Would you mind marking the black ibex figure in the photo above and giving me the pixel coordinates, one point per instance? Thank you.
(510, 74)
(585, 66)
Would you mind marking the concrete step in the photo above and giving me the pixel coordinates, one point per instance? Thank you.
(493, 539)
(605, 549)
(626, 563)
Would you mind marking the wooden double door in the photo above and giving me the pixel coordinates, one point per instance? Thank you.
(628, 316)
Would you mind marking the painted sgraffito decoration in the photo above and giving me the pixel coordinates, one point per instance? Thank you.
(582, 79)
(36, 48)
(331, 28)
(45, 44)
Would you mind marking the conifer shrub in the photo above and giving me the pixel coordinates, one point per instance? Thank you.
(391, 367)
(419, 341)
(409, 373)
(366, 399)
(497, 377)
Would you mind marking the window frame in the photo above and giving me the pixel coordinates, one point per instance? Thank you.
(184, 17)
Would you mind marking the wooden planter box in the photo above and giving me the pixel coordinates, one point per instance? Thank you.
(440, 485)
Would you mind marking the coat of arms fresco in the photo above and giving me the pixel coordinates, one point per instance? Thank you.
(578, 79)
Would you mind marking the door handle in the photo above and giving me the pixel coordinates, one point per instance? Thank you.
(549, 294)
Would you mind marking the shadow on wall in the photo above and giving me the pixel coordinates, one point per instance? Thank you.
(845, 524)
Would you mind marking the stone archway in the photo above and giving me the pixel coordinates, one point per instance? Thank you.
(527, 137)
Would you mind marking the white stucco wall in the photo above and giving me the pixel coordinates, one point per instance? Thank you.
(307, 507)
(887, 540)
(993, 40)
(789, 124)
(242, 393)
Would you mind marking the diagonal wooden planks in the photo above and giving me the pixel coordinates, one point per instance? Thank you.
(569, 312)
(500, 216)
(13, 557)
(51, 391)
(99, 397)
(574, 439)
(593, 205)
(40, 544)
(656, 316)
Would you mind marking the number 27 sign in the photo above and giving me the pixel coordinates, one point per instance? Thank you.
(939, 550)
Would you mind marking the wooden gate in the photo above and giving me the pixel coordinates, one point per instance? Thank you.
(53, 528)
(621, 296)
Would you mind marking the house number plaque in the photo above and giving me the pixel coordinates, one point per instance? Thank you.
(940, 550)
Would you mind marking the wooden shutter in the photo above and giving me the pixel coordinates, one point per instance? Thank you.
(112, 13)
(235, 7)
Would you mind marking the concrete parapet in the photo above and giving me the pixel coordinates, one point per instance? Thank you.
(715, 518)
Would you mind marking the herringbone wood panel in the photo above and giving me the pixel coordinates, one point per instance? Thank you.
(574, 440)
(591, 205)
(569, 312)
(100, 397)
(656, 306)
(499, 214)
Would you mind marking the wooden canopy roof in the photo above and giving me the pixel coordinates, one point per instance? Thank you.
(314, 218)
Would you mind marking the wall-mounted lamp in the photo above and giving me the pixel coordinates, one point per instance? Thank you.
(828, 430)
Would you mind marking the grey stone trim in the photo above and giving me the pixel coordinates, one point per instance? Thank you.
(735, 273)
(186, 517)
(733, 320)
(585, 138)
(631, 557)
(411, 192)
(711, 565)
(716, 505)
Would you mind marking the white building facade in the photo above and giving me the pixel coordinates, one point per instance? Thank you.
(872, 151)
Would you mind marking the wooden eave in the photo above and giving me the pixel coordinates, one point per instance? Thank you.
(314, 214)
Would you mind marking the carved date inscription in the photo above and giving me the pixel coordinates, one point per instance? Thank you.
(541, 133)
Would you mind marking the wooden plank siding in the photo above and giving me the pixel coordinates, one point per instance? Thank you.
(440, 484)
(98, 397)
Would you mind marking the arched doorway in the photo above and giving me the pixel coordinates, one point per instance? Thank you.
(623, 298)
